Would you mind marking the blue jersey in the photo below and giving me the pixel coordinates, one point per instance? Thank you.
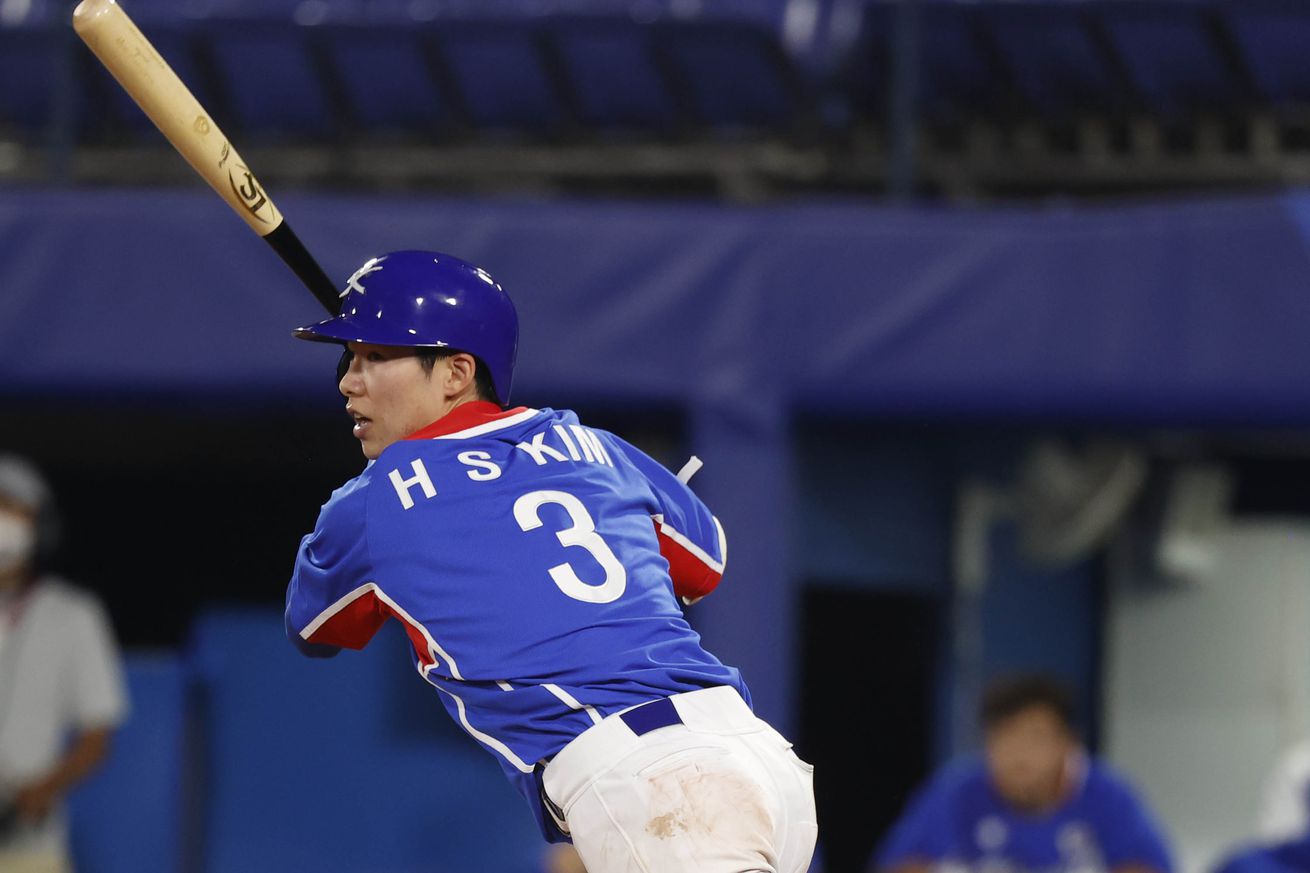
(960, 820)
(535, 565)
(1288, 857)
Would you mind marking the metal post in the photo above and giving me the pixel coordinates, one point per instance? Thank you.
(61, 127)
(978, 507)
(902, 121)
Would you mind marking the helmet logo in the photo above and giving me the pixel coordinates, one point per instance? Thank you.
(372, 265)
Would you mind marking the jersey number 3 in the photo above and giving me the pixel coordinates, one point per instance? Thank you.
(583, 534)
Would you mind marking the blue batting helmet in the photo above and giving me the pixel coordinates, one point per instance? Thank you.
(427, 300)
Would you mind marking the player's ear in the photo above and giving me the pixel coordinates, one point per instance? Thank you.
(463, 370)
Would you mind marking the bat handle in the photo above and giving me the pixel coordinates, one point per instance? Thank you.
(291, 250)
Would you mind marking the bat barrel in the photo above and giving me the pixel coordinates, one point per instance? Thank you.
(166, 101)
(132, 60)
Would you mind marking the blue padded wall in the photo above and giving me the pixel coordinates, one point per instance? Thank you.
(341, 765)
(128, 816)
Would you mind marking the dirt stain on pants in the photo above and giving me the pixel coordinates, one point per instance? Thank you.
(707, 804)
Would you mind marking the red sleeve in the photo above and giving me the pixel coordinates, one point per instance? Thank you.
(695, 573)
(350, 623)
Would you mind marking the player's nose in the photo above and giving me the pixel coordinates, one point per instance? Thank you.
(351, 383)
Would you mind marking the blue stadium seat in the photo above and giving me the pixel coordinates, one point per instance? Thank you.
(1272, 37)
(29, 62)
(128, 817)
(166, 12)
(958, 78)
(46, 73)
(271, 82)
(189, 11)
(1172, 56)
(163, 10)
(734, 74)
(1058, 67)
(612, 74)
(500, 71)
(388, 82)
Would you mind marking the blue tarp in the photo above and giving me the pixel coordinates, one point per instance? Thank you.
(1183, 311)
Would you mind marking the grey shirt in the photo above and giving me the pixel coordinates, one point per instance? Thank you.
(59, 674)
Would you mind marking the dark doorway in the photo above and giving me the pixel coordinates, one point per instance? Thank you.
(868, 674)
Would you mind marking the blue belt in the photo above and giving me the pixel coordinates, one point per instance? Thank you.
(651, 716)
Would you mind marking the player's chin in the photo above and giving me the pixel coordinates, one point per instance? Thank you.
(369, 442)
(368, 445)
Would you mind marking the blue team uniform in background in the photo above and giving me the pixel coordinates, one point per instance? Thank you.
(533, 563)
(1292, 856)
(959, 819)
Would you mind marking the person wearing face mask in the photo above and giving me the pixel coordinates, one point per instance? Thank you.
(1035, 802)
(61, 685)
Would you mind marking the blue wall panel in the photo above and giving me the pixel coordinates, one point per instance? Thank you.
(1188, 311)
(1037, 619)
(345, 764)
(128, 816)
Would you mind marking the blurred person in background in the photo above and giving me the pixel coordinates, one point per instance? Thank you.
(1287, 856)
(1285, 810)
(1283, 826)
(561, 858)
(61, 685)
(1034, 801)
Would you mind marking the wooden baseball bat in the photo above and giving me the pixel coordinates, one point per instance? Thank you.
(133, 61)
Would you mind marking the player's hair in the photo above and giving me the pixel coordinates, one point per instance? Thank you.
(486, 390)
(1012, 695)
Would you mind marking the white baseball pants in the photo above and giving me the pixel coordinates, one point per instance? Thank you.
(721, 792)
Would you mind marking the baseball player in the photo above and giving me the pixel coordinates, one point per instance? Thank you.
(536, 565)
(1033, 802)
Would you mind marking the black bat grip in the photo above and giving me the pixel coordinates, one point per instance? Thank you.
(294, 254)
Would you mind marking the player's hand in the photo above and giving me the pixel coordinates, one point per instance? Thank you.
(36, 800)
(688, 601)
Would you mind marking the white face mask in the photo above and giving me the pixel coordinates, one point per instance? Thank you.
(17, 541)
